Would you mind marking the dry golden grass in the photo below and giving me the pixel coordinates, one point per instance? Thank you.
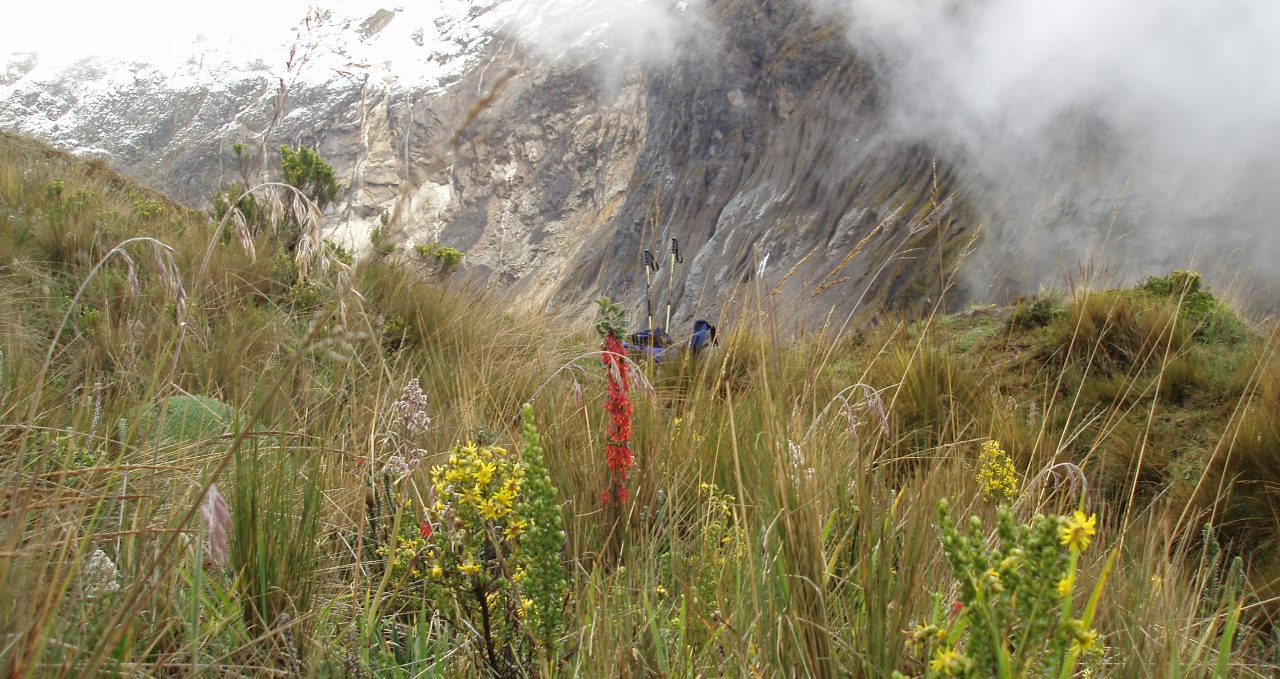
(818, 557)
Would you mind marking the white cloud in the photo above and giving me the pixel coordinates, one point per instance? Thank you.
(1169, 108)
(68, 30)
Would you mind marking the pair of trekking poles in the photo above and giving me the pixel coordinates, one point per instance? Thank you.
(650, 268)
(656, 342)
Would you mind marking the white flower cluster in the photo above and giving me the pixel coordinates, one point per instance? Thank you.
(403, 464)
(99, 575)
(411, 410)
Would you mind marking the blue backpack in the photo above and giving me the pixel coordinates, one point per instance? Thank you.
(704, 334)
(656, 344)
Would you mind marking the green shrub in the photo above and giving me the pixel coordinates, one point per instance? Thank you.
(306, 171)
(1214, 321)
(339, 252)
(1176, 284)
(445, 257)
(381, 244)
(1036, 312)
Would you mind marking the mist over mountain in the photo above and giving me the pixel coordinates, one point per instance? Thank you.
(1142, 132)
(840, 151)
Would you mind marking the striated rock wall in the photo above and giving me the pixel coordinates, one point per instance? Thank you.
(761, 156)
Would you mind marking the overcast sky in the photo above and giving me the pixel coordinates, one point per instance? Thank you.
(70, 29)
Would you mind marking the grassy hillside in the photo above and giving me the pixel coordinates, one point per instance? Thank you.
(216, 461)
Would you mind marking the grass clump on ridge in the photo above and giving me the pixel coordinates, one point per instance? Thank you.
(782, 514)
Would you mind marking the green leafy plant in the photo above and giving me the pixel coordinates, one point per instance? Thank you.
(612, 319)
(380, 242)
(544, 584)
(1014, 615)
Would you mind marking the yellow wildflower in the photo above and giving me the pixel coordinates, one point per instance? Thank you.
(515, 529)
(1078, 530)
(1084, 641)
(484, 474)
(437, 572)
(507, 495)
(1065, 585)
(993, 577)
(492, 510)
(947, 662)
(469, 567)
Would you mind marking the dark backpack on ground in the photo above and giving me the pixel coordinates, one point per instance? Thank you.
(650, 338)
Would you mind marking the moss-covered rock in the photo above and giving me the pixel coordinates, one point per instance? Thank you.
(187, 418)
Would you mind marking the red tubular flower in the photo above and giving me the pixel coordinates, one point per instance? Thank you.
(617, 447)
(425, 529)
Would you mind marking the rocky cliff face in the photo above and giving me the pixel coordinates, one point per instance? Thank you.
(757, 151)
(759, 154)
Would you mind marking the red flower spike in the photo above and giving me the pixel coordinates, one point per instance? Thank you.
(425, 528)
(617, 447)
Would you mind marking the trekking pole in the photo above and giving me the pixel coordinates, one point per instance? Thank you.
(650, 265)
(671, 279)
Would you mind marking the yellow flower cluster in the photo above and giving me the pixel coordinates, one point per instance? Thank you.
(996, 473)
(486, 480)
(920, 638)
(478, 490)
